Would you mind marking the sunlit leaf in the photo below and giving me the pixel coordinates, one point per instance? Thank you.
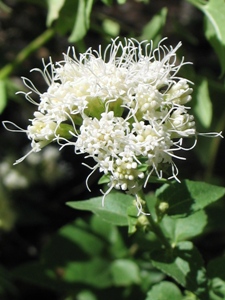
(111, 27)
(82, 20)
(74, 18)
(185, 265)
(163, 291)
(187, 197)
(113, 211)
(54, 7)
(179, 229)
(125, 272)
(203, 107)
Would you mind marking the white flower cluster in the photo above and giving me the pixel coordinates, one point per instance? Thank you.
(124, 107)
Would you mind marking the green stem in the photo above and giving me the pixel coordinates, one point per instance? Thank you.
(158, 232)
(22, 55)
(156, 228)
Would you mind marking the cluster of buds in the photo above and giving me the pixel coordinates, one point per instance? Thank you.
(125, 107)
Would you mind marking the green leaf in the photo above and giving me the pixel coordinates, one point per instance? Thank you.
(153, 30)
(179, 229)
(84, 295)
(214, 25)
(188, 197)
(35, 273)
(94, 272)
(76, 239)
(203, 107)
(216, 273)
(163, 291)
(125, 272)
(74, 18)
(185, 265)
(6, 284)
(3, 95)
(82, 20)
(107, 2)
(113, 211)
(54, 7)
(111, 27)
(111, 235)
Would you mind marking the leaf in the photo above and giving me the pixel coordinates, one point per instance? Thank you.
(82, 21)
(125, 272)
(74, 19)
(153, 30)
(185, 265)
(188, 197)
(111, 235)
(54, 7)
(3, 95)
(214, 25)
(85, 295)
(35, 273)
(113, 211)
(111, 27)
(163, 291)
(6, 284)
(132, 219)
(76, 243)
(179, 229)
(203, 107)
(94, 272)
(216, 273)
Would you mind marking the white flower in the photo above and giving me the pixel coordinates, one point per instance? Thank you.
(125, 107)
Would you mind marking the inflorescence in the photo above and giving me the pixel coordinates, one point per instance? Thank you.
(124, 107)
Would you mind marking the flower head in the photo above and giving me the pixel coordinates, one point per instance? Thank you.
(125, 107)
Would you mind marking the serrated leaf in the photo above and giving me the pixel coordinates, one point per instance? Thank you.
(185, 265)
(179, 229)
(163, 291)
(113, 211)
(214, 25)
(188, 197)
(54, 7)
(203, 107)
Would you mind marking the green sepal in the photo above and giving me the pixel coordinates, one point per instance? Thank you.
(64, 130)
(95, 108)
(104, 179)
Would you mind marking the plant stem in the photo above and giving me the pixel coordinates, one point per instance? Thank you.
(155, 227)
(23, 54)
(158, 232)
